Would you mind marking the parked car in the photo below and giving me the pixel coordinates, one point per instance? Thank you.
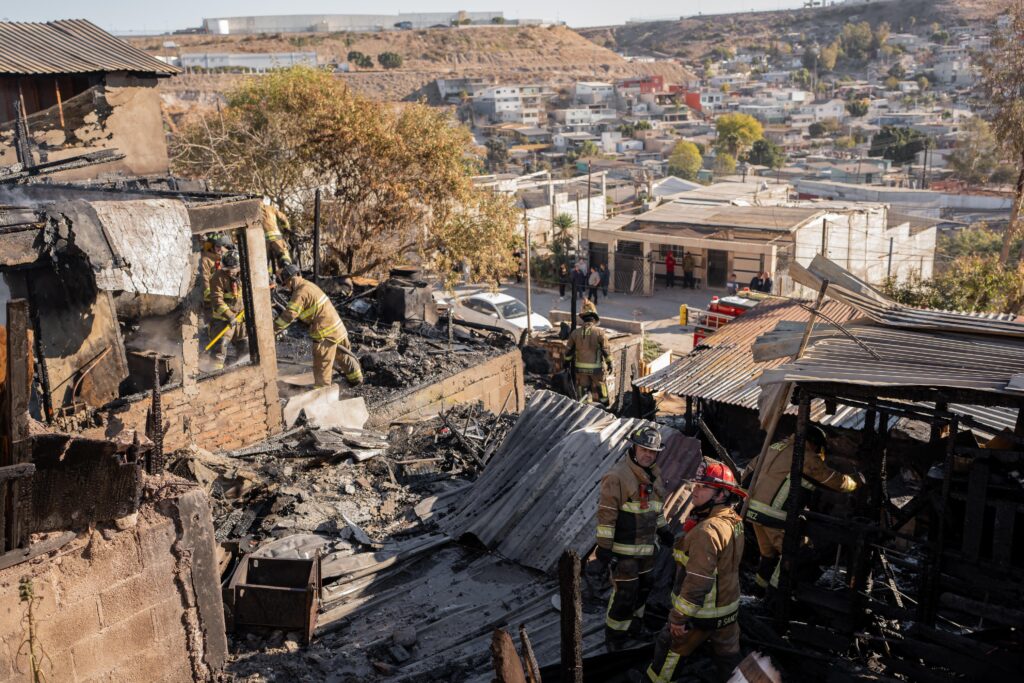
(501, 310)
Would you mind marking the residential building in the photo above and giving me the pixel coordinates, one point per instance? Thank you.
(511, 103)
(643, 85)
(94, 93)
(594, 92)
(334, 23)
(243, 62)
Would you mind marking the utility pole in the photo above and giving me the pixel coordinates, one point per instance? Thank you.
(824, 237)
(529, 295)
(588, 212)
(316, 237)
(888, 270)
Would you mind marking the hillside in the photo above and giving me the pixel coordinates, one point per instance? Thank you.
(552, 55)
(693, 38)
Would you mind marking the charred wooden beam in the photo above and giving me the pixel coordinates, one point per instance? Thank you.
(572, 618)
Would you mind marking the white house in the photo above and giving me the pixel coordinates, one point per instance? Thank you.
(594, 92)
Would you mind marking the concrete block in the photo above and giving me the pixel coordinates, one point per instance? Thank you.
(168, 621)
(124, 599)
(105, 651)
(70, 624)
(155, 542)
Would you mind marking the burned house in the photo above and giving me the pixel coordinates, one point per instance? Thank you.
(78, 90)
(917, 576)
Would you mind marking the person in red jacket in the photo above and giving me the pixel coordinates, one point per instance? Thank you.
(670, 270)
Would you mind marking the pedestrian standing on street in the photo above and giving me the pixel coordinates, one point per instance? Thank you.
(593, 282)
(706, 591)
(563, 280)
(630, 522)
(605, 278)
(579, 281)
(670, 270)
(688, 264)
(733, 285)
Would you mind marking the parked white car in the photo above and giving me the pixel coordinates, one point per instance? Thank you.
(501, 310)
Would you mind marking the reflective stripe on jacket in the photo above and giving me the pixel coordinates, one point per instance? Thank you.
(310, 306)
(706, 590)
(630, 509)
(208, 263)
(769, 494)
(587, 346)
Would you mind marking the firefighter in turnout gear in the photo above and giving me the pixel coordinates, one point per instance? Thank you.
(706, 592)
(629, 522)
(310, 306)
(209, 262)
(587, 350)
(277, 249)
(226, 302)
(768, 495)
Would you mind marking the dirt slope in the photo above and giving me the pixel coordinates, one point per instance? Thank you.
(694, 37)
(553, 55)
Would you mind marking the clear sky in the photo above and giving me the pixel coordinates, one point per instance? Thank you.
(157, 16)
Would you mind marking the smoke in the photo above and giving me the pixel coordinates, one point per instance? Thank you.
(158, 333)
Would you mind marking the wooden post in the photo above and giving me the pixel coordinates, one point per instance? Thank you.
(532, 667)
(19, 379)
(507, 667)
(778, 407)
(529, 292)
(572, 618)
(791, 543)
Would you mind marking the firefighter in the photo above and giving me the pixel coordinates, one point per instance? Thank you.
(209, 262)
(768, 495)
(277, 249)
(587, 350)
(706, 591)
(226, 301)
(309, 305)
(629, 522)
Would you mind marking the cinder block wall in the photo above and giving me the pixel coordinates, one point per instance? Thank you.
(139, 604)
(491, 382)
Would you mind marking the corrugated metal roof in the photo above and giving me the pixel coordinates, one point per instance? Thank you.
(848, 288)
(723, 368)
(537, 497)
(68, 47)
(908, 358)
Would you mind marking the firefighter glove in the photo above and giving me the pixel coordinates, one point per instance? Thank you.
(665, 537)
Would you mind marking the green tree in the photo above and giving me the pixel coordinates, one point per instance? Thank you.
(766, 153)
(892, 83)
(737, 132)
(389, 60)
(399, 183)
(359, 59)
(857, 41)
(563, 240)
(857, 108)
(725, 163)
(817, 130)
(497, 154)
(828, 57)
(897, 71)
(976, 152)
(685, 161)
(1003, 83)
(588, 149)
(901, 145)
(977, 284)
(923, 83)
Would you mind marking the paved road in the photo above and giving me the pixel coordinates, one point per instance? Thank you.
(660, 311)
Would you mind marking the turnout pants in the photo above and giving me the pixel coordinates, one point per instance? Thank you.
(669, 652)
(592, 384)
(769, 544)
(631, 584)
(236, 333)
(326, 358)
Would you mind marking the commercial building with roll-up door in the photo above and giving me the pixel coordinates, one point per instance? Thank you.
(744, 238)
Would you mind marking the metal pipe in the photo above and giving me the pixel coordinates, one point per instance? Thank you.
(529, 291)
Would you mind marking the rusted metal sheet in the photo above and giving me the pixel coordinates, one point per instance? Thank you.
(71, 46)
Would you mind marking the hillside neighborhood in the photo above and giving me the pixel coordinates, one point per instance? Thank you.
(467, 346)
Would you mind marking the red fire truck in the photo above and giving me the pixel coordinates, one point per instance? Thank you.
(720, 311)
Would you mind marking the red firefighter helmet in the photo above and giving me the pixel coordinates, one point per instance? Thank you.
(717, 475)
